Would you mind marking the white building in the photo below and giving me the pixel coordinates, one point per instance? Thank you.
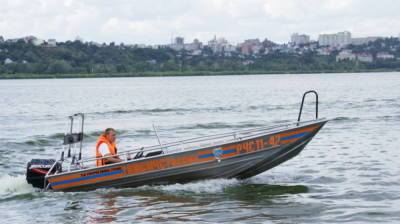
(195, 52)
(324, 51)
(343, 38)
(37, 42)
(141, 46)
(345, 55)
(229, 49)
(299, 39)
(384, 56)
(160, 46)
(8, 61)
(365, 57)
(220, 45)
(79, 39)
(327, 39)
(217, 44)
(52, 43)
(338, 40)
(194, 46)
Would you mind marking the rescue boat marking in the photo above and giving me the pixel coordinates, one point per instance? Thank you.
(299, 135)
(86, 178)
(224, 152)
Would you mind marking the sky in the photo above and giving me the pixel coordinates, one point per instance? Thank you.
(158, 21)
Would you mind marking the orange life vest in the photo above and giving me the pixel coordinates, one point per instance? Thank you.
(111, 147)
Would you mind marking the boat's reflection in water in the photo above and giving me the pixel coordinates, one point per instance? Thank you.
(147, 204)
(106, 210)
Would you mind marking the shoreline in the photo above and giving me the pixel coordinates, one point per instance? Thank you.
(180, 74)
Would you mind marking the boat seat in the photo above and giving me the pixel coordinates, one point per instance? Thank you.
(139, 154)
(150, 154)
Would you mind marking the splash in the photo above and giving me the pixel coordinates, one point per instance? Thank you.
(14, 185)
(212, 186)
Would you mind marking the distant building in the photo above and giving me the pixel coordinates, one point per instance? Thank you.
(179, 40)
(337, 40)
(141, 46)
(216, 45)
(152, 61)
(229, 49)
(247, 62)
(52, 43)
(345, 55)
(160, 46)
(384, 56)
(195, 52)
(286, 49)
(194, 46)
(313, 45)
(363, 40)
(299, 39)
(220, 45)
(37, 42)
(79, 39)
(324, 51)
(8, 61)
(343, 38)
(178, 44)
(365, 57)
(251, 46)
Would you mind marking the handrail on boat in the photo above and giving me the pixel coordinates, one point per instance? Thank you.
(237, 135)
(302, 103)
(254, 131)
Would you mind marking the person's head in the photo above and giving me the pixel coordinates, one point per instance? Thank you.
(110, 134)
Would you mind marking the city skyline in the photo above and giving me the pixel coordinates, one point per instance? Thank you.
(157, 22)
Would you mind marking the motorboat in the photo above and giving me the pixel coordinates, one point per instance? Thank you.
(239, 154)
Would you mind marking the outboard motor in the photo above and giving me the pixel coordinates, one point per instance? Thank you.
(37, 169)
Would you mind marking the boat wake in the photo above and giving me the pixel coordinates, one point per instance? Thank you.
(212, 186)
(14, 185)
(240, 189)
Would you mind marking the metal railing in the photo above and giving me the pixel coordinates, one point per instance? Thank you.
(185, 145)
(210, 139)
(302, 103)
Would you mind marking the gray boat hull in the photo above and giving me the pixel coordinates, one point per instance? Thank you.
(238, 163)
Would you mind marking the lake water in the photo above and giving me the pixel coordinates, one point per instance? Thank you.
(350, 172)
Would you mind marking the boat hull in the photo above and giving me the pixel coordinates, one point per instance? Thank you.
(241, 159)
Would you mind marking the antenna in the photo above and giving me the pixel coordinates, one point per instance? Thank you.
(155, 131)
(70, 132)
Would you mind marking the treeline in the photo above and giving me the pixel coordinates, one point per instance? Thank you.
(110, 60)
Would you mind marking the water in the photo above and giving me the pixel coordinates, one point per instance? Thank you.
(350, 172)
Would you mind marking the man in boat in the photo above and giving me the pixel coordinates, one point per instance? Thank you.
(106, 147)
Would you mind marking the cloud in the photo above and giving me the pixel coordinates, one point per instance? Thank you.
(156, 21)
